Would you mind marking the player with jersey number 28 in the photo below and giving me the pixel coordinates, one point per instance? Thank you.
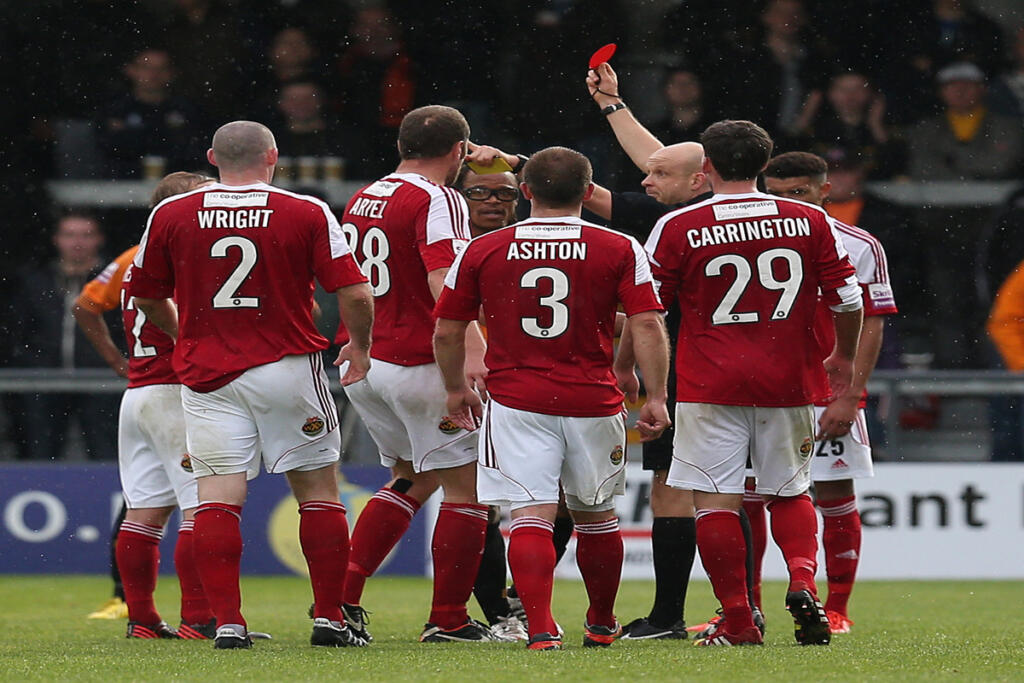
(240, 257)
(746, 268)
(406, 229)
(549, 288)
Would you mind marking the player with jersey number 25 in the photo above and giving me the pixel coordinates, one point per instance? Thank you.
(746, 268)
(240, 257)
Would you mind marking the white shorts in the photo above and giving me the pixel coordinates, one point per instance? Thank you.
(151, 453)
(848, 457)
(523, 456)
(403, 408)
(712, 444)
(283, 410)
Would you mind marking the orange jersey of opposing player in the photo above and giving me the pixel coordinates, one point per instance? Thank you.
(149, 347)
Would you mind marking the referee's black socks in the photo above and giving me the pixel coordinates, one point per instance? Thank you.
(674, 542)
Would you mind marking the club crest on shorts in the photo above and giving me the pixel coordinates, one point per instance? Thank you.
(447, 426)
(313, 426)
(186, 462)
(806, 446)
(616, 455)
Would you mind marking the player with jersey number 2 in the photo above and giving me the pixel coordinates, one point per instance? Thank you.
(240, 258)
(549, 287)
(406, 229)
(746, 268)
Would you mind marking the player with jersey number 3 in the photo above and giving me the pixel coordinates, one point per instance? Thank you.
(240, 258)
(549, 288)
(747, 268)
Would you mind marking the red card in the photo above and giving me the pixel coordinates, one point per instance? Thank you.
(602, 55)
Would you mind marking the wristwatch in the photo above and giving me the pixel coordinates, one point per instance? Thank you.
(612, 108)
(522, 163)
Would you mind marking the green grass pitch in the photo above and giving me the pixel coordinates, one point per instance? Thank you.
(905, 630)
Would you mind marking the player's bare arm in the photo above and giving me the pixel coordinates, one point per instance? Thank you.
(650, 344)
(162, 313)
(839, 364)
(96, 331)
(624, 366)
(463, 404)
(636, 141)
(475, 346)
(355, 304)
(841, 412)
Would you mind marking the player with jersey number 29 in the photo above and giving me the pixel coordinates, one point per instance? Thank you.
(746, 268)
(549, 288)
(405, 230)
(240, 257)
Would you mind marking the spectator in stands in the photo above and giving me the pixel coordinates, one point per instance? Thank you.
(850, 115)
(1006, 96)
(375, 83)
(291, 56)
(305, 131)
(150, 120)
(778, 71)
(953, 31)
(688, 114)
(1006, 330)
(965, 141)
(213, 52)
(48, 337)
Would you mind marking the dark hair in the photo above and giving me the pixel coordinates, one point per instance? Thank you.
(797, 165)
(429, 132)
(558, 176)
(178, 182)
(79, 213)
(738, 150)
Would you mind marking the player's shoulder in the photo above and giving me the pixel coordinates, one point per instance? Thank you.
(412, 185)
(852, 234)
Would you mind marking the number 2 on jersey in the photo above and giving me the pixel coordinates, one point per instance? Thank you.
(559, 311)
(375, 251)
(227, 295)
(790, 286)
(138, 349)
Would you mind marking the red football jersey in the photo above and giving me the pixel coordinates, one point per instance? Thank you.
(869, 262)
(149, 347)
(747, 269)
(549, 289)
(240, 262)
(400, 228)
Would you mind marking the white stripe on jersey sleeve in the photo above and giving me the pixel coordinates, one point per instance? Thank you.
(447, 214)
(642, 271)
(452, 276)
(339, 243)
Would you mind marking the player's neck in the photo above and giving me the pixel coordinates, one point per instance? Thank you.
(553, 211)
(733, 186)
(434, 170)
(245, 177)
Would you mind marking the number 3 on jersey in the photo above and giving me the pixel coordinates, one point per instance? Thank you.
(559, 311)
(375, 251)
(790, 286)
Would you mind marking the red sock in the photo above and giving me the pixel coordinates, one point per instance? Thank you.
(194, 607)
(599, 557)
(723, 554)
(323, 535)
(531, 557)
(795, 530)
(217, 548)
(457, 546)
(753, 504)
(138, 557)
(841, 538)
(380, 525)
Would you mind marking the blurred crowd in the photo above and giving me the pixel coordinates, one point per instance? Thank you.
(884, 91)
